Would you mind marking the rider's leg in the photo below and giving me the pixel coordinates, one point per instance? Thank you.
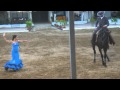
(94, 34)
(111, 38)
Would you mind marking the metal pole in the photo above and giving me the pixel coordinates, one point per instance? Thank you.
(22, 14)
(72, 45)
(22, 18)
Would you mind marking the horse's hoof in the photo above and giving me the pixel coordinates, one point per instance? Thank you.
(94, 61)
(104, 65)
(108, 60)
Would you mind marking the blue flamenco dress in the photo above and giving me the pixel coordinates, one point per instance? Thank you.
(15, 63)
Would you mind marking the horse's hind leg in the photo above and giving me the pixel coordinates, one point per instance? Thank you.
(94, 53)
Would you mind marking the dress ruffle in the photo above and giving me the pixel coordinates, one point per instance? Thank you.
(14, 65)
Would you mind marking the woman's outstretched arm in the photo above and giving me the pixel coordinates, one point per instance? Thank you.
(4, 36)
(23, 41)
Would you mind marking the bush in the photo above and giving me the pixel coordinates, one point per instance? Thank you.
(114, 19)
(63, 22)
(28, 23)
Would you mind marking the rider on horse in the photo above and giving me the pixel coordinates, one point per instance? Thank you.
(102, 23)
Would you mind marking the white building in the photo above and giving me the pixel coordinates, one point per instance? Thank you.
(46, 16)
(82, 15)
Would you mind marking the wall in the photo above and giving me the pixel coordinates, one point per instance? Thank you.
(108, 14)
(30, 15)
(84, 15)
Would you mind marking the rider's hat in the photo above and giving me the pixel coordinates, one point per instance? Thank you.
(100, 13)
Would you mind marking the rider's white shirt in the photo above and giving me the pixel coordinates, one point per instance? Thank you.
(101, 17)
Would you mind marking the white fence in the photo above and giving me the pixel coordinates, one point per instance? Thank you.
(75, 22)
(13, 25)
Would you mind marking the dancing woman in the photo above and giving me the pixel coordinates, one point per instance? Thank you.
(15, 63)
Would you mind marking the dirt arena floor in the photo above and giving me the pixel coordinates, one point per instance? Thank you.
(47, 56)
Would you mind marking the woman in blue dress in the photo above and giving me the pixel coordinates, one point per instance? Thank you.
(15, 63)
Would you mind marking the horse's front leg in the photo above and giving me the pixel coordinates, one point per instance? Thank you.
(105, 56)
(100, 50)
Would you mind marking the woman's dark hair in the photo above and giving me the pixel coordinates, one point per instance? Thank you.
(14, 36)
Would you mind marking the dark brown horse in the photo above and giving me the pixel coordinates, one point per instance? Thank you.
(102, 41)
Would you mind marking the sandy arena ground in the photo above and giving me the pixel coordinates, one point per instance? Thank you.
(47, 56)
